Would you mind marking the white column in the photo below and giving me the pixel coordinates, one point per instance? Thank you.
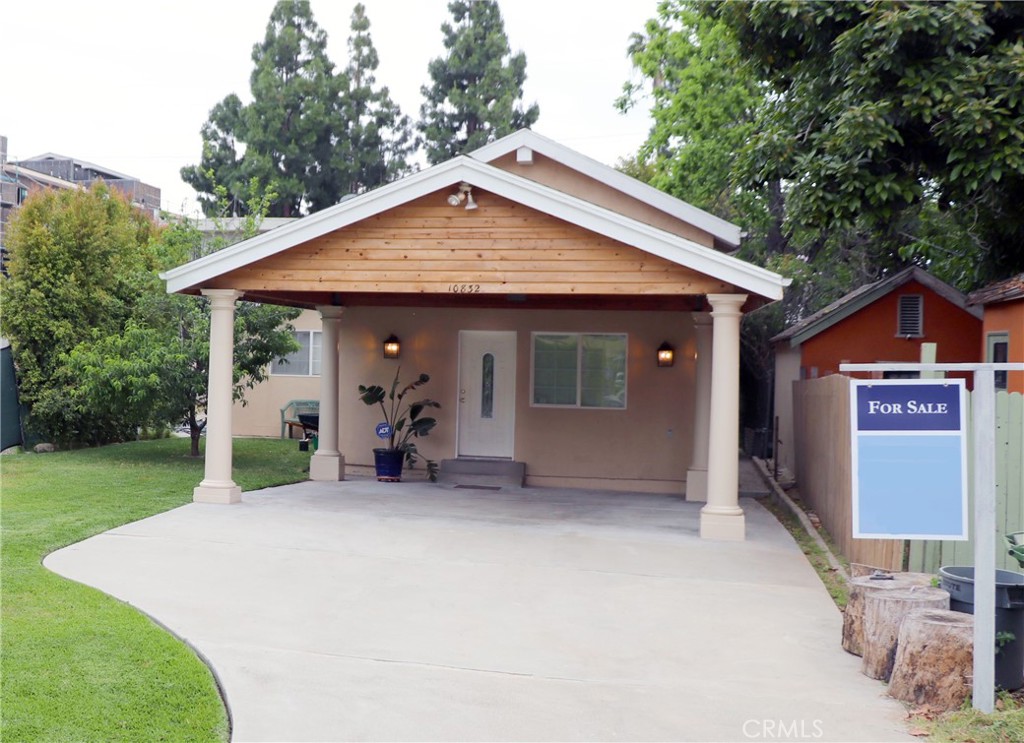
(697, 475)
(327, 463)
(217, 485)
(722, 518)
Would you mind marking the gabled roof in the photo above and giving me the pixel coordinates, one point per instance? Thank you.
(680, 250)
(861, 297)
(723, 231)
(1006, 290)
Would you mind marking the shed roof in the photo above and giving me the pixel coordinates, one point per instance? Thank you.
(1006, 290)
(861, 297)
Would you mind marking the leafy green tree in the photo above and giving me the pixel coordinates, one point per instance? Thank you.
(372, 139)
(477, 87)
(158, 370)
(704, 102)
(79, 261)
(902, 118)
(101, 349)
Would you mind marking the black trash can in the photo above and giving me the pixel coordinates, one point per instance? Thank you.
(959, 581)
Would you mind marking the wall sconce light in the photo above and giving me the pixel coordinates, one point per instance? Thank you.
(666, 355)
(464, 194)
(392, 347)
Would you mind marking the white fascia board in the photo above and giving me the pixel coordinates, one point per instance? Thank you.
(529, 193)
(725, 231)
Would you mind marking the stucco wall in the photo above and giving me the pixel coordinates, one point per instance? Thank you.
(647, 446)
(787, 371)
(1007, 317)
(551, 173)
(261, 415)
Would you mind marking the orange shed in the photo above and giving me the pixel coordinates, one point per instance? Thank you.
(884, 322)
(1003, 327)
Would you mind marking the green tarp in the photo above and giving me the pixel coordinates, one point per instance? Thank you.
(10, 415)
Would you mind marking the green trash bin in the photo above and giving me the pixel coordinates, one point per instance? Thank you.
(959, 581)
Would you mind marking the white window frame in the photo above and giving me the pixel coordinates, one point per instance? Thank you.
(579, 370)
(992, 339)
(314, 336)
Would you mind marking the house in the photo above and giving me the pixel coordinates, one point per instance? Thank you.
(16, 185)
(888, 321)
(571, 318)
(1003, 327)
(83, 173)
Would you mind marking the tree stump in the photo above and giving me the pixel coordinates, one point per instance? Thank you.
(934, 659)
(853, 615)
(883, 613)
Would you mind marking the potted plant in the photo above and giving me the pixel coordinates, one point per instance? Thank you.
(402, 423)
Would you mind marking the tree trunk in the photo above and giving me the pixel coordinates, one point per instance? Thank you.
(883, 614)
(194, 430)
(934, 659)
(853, 615)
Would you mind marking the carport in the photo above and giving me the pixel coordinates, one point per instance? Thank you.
(562, 276)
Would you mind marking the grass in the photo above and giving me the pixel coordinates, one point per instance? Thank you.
(833, 581)
(1005, 725)
(78, 665)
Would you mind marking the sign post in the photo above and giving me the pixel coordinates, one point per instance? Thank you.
(983, 420)
(984, 538)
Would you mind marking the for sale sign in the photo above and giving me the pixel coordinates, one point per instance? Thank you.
(909, 459)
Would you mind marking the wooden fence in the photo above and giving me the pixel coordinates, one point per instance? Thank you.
(821, 437)
(821, 428)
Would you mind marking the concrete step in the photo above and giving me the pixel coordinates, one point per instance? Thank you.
(482, 473)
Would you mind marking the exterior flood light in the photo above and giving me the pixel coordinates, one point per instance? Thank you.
(666, 355)
(392, 347)
(464, 194)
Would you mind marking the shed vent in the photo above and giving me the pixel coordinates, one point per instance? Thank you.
(910, 321)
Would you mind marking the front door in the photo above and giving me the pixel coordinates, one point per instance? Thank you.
(487, 393)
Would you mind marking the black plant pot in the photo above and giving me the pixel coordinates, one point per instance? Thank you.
(388, 463)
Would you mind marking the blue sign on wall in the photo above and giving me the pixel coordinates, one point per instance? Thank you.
(909, 459)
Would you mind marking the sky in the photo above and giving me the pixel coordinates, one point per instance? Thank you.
(127, 86)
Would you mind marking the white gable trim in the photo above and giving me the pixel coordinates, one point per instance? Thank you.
(679, 250)
(721, 229)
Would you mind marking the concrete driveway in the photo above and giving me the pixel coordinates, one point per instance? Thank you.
(372, 611)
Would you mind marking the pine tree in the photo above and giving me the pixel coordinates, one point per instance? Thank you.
(289, 120)
(372, 140)
(288, 128)
(477, 90)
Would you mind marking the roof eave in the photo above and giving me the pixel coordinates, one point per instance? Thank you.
(675, 248)
(723, 231)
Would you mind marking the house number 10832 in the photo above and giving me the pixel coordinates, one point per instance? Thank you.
(464, 288)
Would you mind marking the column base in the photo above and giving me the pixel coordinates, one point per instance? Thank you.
(327, 467)
(697, 485)
(727, 525)
(224, 492)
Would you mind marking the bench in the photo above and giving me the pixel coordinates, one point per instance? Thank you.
(290, 415)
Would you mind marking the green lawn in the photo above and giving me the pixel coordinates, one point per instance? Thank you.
(76, 664)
